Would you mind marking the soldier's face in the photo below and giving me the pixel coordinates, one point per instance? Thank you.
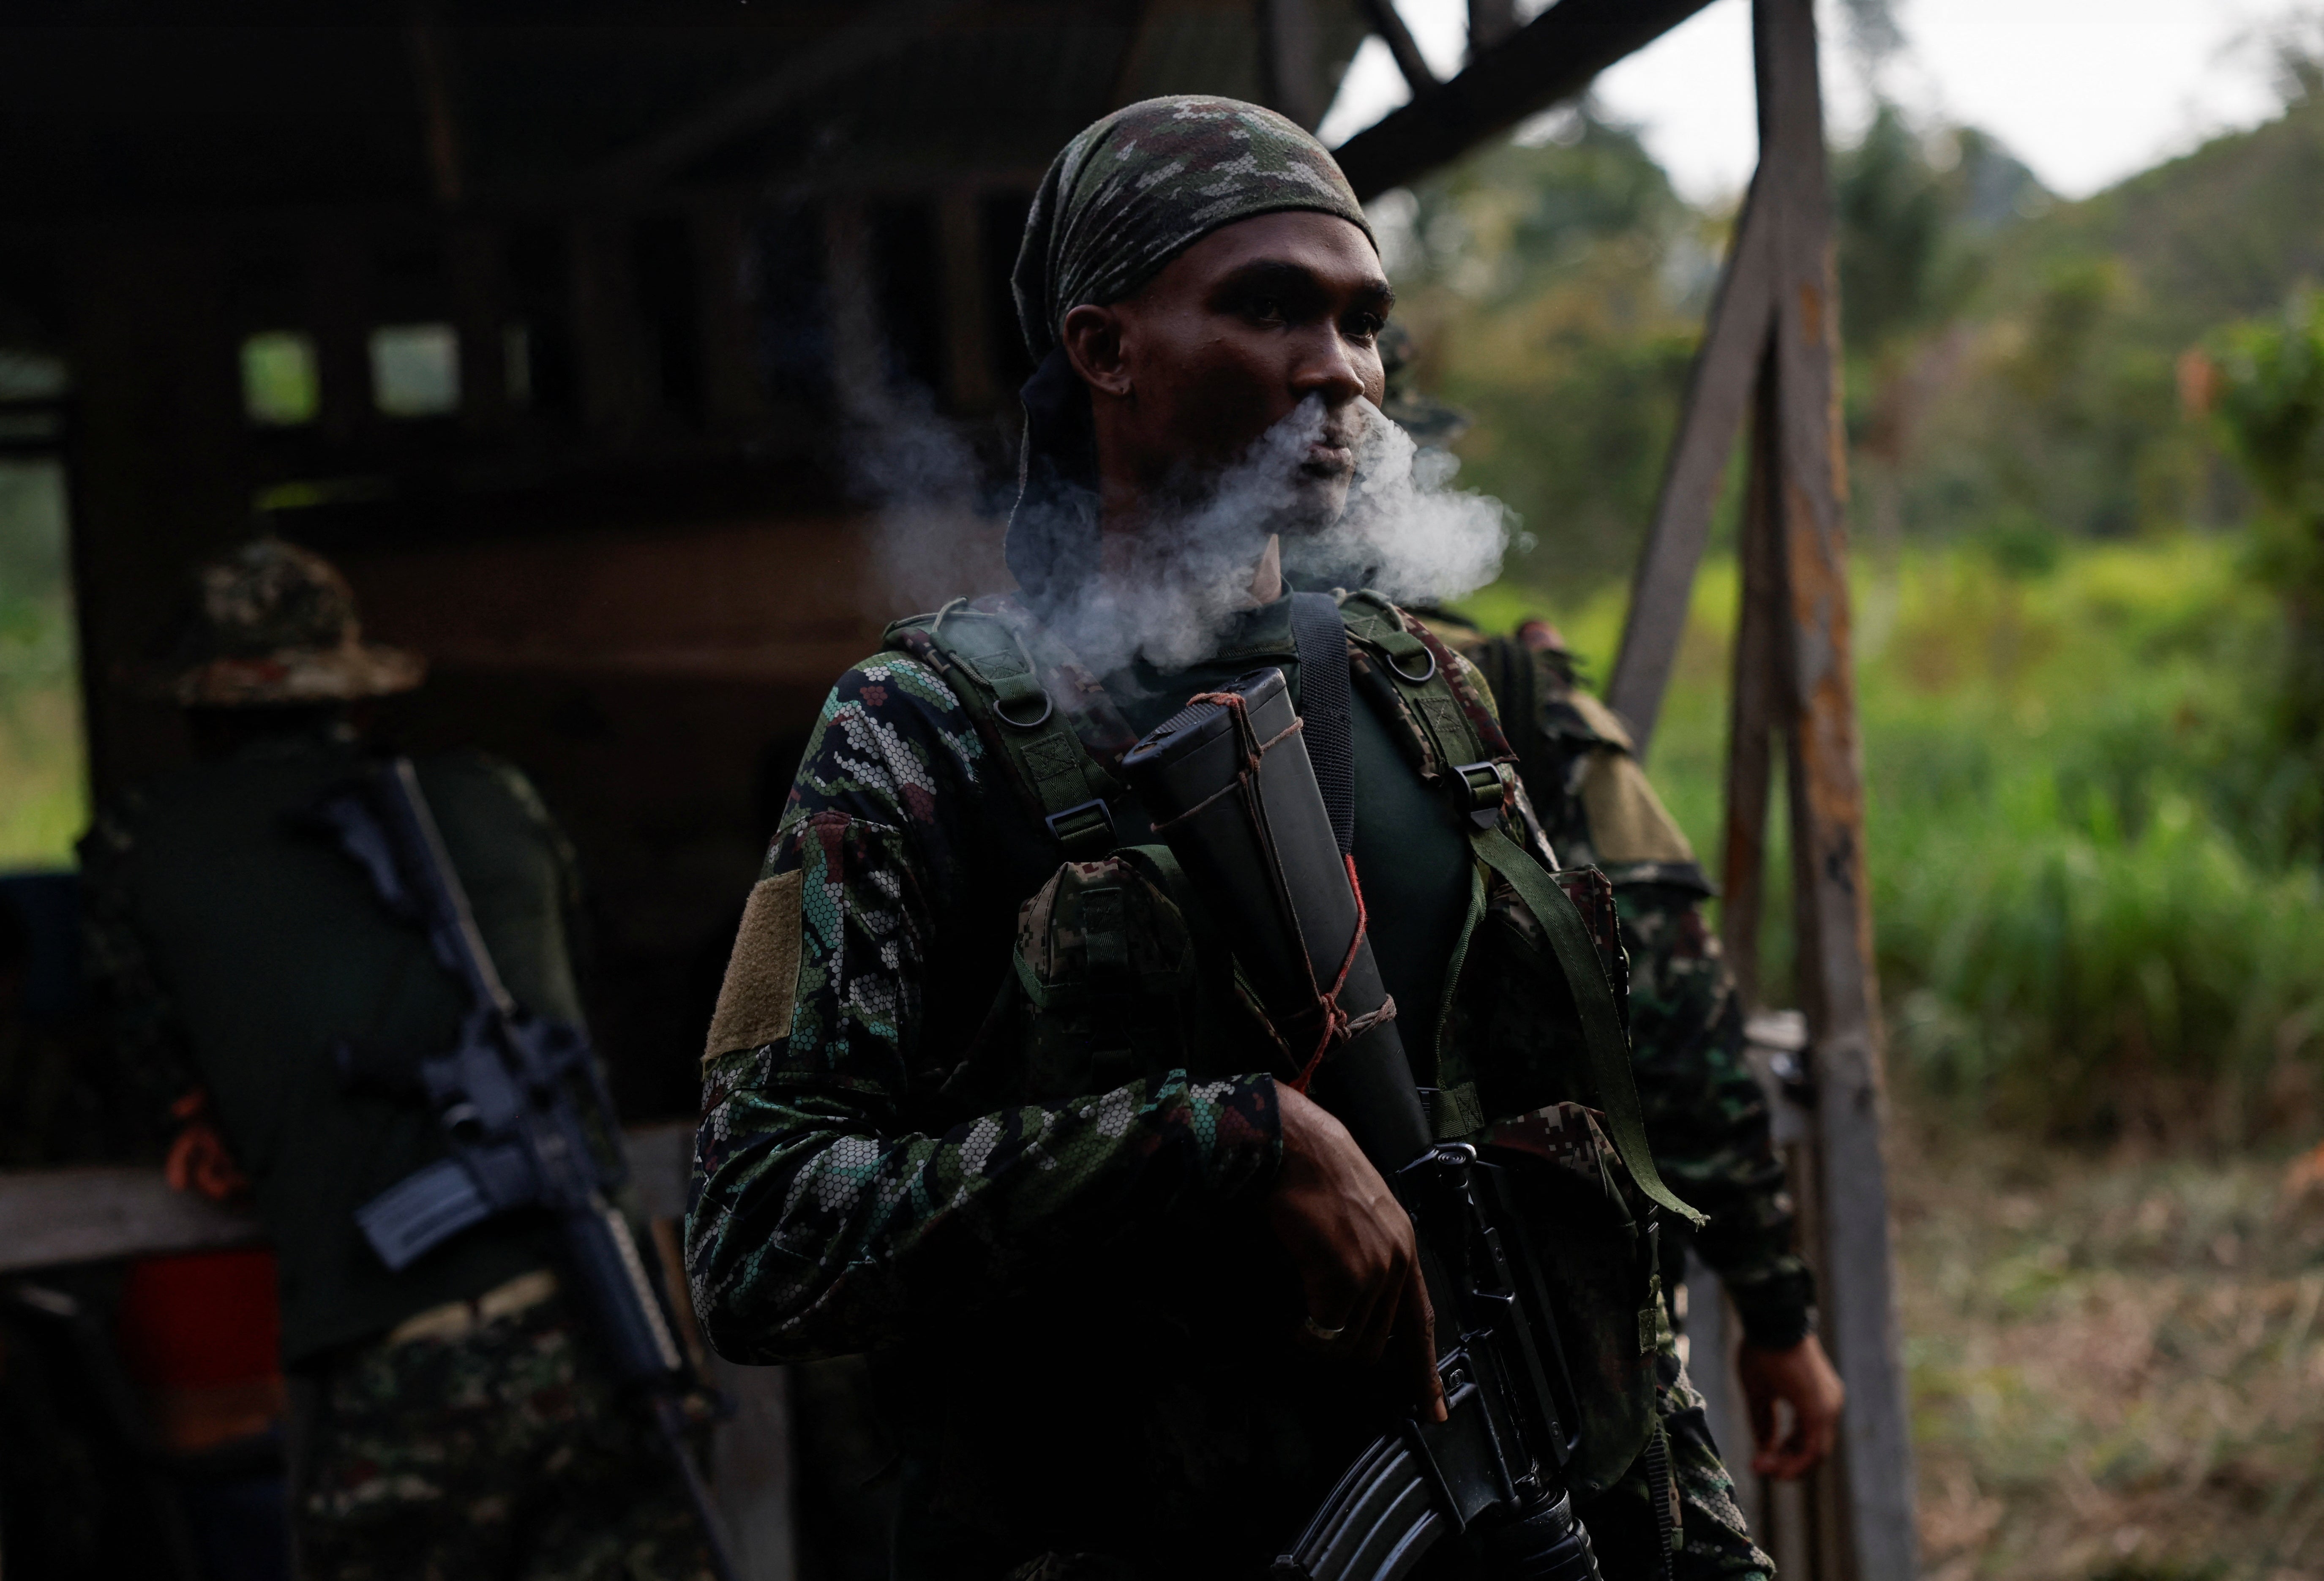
(1228, 341)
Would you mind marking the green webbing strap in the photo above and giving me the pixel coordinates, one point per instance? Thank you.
(1431, 708)
(1068, 786)
(986, 645)
(1601, 1024)
(1371, 619)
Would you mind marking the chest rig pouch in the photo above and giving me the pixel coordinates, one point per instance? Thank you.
(1115, 976)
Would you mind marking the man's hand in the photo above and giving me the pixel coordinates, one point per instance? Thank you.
(1802, 1378)
(1352, 1244)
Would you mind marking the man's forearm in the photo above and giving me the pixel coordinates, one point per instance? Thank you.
(813, 1233)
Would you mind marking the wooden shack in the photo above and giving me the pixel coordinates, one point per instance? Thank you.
(565, 331)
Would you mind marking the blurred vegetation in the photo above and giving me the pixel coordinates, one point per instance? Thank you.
(43, 799)
(2265, 382)
(2087, 444)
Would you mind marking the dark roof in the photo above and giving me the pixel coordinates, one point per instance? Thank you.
(108, 105)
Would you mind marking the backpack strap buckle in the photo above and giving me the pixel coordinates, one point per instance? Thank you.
(1485, 790)
(1085, 827)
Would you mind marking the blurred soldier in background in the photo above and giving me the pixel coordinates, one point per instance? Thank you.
(1706, 1113)
(452, 1419)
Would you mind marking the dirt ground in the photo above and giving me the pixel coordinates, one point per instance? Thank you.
(2117, 1359)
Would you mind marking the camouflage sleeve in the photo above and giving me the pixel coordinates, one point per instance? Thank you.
(146, 1067)
(1706, 1113)
(822, 1223)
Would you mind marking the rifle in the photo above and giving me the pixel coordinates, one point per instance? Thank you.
(517, 1139)
(1230, 787)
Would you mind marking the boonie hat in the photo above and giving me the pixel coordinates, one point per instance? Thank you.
(273, 623)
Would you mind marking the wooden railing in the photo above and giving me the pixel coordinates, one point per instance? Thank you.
(53, 1217)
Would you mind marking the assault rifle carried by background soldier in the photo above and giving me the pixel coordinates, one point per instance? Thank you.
(464, 1383)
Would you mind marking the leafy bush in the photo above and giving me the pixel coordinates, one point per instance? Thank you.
(43, 799)
(2062, 967)
(2089, 911)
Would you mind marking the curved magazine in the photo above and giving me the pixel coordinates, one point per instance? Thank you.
(1376, 1525)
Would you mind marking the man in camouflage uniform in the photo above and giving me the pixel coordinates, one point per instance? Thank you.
(1706, 1113)
(452, 1419)
(1128, 1288)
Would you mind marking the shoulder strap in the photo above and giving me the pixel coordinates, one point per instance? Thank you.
(1449, 730)
(1435, 697)
(1326, 724)
(1604, 1044)
(991, 646)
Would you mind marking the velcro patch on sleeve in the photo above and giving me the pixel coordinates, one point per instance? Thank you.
(754, 1003)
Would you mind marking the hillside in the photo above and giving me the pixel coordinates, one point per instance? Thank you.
(2222, 233)
(2013, 362)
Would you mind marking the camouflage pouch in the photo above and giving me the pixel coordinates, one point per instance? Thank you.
(1512, 1033)
(1513, 1041)
(1595, 1234)
(1104, 988)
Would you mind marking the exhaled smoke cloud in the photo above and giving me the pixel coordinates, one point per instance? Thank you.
(929, 540)
(1167, 593)
(1405, 532)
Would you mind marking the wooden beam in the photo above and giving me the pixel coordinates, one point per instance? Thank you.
(1719, 390)
(53, 1217)
(431, 74)
(1290, 53)
(1839, 989)
(1489, 21)
(1390, 25)
(1553, 57)
(876, 34)
(1751, 711)
(49, 1217)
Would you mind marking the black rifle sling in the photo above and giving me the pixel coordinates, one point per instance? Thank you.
(1322, 640)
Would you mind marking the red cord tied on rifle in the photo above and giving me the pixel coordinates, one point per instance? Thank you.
(1335, 1026)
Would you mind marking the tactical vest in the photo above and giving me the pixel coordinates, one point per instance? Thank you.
(1115, 977)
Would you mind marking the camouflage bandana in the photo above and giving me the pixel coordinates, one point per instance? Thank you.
(1123, 199)
(1137, 188)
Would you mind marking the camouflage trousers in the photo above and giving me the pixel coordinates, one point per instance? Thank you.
(1714, 1540)
(503, 1454)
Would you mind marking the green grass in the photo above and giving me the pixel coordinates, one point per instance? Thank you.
(2087, 917)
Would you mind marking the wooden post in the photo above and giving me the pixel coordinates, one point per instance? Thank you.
(1719, 392)
(1773, 346)
(968, 349)
(1838, 985)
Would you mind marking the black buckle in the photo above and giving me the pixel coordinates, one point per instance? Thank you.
(1487, 783)
(1074, 825)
